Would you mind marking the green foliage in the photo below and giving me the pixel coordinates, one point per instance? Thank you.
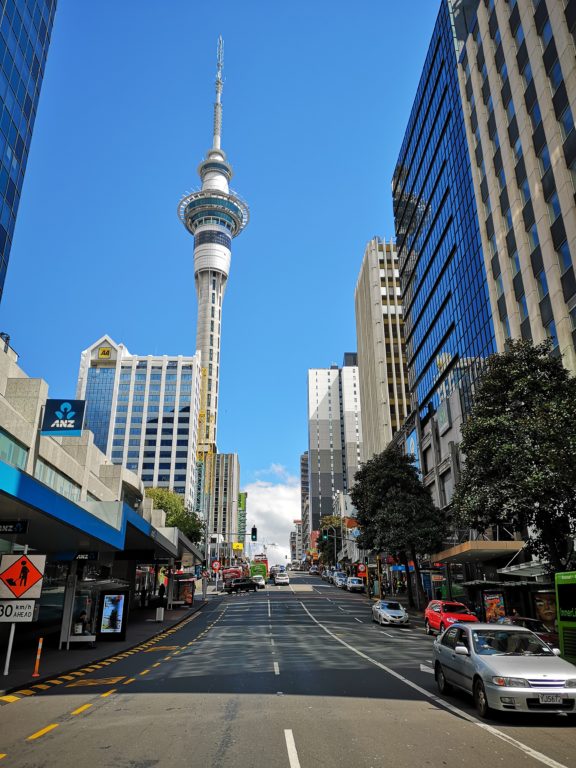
(177, 515)
(326, 548)
(520, 448)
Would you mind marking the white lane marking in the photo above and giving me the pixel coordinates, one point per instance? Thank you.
(276, 668)
(550, 762)
(269, 614)
(388, 634)
(271, 641)
(424, 668)
(291, 747)
(358, 620)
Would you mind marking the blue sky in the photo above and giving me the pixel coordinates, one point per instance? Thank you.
(316, 98)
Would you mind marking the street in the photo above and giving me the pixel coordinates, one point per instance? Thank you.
(290, 676)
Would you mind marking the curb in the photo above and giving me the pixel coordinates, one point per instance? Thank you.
(11, 695)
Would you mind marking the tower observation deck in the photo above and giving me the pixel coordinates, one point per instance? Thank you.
(214, 215)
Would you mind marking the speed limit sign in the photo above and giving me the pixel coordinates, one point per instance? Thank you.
(361, 568)
(216, 565)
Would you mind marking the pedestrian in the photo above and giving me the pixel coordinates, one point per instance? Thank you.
(143, 598)
(83, 625)
(161, 592)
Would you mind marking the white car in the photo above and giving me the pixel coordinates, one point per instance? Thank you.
(281, 579)
(260, 581)
(354, 584)
(389, 612)
(339, 580)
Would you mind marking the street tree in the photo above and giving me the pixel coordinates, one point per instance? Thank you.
(177, 515)
(520, 449)
(396, 512)
(330, 526)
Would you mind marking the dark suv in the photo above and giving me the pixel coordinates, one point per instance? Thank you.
(241, 585)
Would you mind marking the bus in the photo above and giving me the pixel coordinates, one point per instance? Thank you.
(566, 612)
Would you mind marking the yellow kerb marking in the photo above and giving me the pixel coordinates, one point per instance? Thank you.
(83, 708)
(145, 672)
(95, 681)
(55, 682)
(130, 680)
(157, 664)
(42, 732)
(9, 699)
(41, 686)
(26, 692)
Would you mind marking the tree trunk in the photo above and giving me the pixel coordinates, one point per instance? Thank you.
(420, 594)
(404, 558)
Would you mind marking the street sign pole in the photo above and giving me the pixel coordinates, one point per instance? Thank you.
(11, 638)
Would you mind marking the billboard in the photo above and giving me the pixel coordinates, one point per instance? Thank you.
(63, 417)
(242, 501)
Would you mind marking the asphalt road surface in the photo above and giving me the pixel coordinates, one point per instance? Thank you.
(289, 677)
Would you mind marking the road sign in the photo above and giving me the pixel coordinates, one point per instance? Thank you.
(216, 565)
(361, 568)
(17, 610)
(21, 575)
(237, 545)
(13, 526)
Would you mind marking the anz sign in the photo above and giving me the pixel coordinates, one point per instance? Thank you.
(63, 417)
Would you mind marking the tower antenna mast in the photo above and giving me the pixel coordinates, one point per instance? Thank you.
(219, 87)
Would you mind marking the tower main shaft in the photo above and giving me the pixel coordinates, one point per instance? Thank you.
(214, 215)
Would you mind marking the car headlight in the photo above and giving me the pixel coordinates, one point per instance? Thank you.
(511, 682)
(385, 616)
(450, 620)
(571, 683)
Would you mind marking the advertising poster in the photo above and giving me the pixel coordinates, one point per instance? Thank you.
(545, 609)
(112, 621)
(493, 606)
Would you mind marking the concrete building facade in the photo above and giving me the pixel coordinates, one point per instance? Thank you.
(383, 376)
(143, 411)
(304, 499)
(334, 434)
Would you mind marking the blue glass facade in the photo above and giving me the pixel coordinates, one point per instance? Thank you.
(25, 28)
(99, 396)
(448, 323)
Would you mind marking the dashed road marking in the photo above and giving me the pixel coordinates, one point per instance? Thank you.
(95, 681)
(81, 709)
(276, 668)
(130, 680)
(108, 693)
(291, 747)
(42, 732)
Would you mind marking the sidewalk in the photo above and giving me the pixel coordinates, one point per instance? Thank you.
(142, 626)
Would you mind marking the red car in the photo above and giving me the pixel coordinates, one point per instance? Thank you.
(440, 614)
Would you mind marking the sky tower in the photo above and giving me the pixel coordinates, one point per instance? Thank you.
(214, 215)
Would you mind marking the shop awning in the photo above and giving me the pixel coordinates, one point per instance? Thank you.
(533, 568)
(478, 550)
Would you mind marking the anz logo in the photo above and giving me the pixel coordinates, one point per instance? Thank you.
(65, 417)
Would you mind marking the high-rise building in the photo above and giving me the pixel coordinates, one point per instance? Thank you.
(25, 29)
(242, 498)
(334, 434)
(518, 83)
(213, 215)
(447, 315)
(295, 542)
(224, 502)
(143, 411)
(383, 376)
(304, 499)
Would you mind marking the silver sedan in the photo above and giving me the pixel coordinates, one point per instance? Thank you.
(390, 612)
(504, 668)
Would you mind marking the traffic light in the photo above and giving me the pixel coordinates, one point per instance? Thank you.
(324, 535)
(254, 534)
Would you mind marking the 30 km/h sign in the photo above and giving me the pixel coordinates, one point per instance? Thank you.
(216, 565)
(21, 575)
(16, 610)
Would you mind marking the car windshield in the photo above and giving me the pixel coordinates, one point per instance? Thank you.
(354, 581)
(454, 608)
(391, 606)
(500, 642)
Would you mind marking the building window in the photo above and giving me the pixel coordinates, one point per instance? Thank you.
(542, 284)
(555, 76)
(551, 333)
(506, 327)
(572, 314)
(535, 115)
(523, 307)
(553, 207)
(533, 238)
(499, 286)
(515, 259)
(546, 33)
(544, 159)
(564, 256)
(12, 452)
(566, 122)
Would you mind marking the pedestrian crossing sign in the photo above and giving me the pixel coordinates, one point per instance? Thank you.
(21, 575)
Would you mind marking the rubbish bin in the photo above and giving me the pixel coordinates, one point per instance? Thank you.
(160, 613)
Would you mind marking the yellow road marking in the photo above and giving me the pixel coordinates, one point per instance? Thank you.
(55, 682)
(130, 680)
(162, 648)
(9, 699)
(42, 732)
(66, 677)
(2, 756)
(167, 657)
(26, 692)
(108, 693)
(83, 708)
(157, 664)
(41, 686)
(145, 672)
(95, 681)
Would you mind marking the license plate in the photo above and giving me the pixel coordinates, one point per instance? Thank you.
(550, 698)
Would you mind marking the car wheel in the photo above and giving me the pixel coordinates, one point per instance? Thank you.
(480, 699)
(427, 627)
(443, 686)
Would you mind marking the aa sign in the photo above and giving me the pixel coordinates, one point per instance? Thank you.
(21, 575)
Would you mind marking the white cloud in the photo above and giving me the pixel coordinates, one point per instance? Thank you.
(272, 507)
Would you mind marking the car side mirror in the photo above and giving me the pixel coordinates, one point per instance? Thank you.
(461, 650)
(556, 651)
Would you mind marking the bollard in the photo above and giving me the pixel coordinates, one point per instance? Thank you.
(38, 654)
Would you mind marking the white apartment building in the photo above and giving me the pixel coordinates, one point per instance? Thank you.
(143, 411)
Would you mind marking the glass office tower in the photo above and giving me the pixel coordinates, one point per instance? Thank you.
(25, 28)
(447, 314)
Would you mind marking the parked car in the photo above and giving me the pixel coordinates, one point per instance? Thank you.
(354, 584)
(340, 580)
(504, 667)
(440, 614)
(336, 575)
(281, 579)
(313, 570)
(244, 584)
(259, 581)
(326, 574)
(390, 612)
(534, 625)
